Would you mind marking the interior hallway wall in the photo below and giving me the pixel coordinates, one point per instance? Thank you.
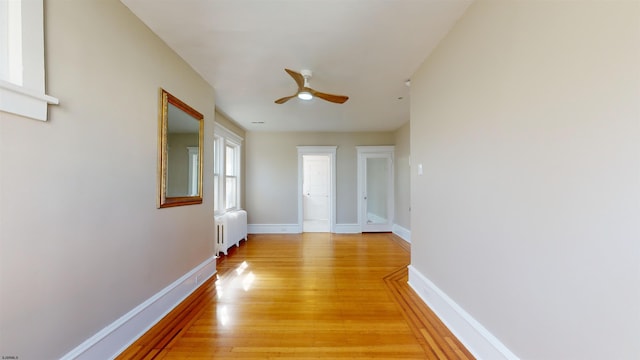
(81, 240)
(526, 119)
(272, 172)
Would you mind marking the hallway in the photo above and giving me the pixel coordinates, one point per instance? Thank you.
(304, 296)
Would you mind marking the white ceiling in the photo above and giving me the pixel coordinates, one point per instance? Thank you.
(365, 49)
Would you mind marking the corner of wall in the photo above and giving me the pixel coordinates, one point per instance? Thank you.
(475, 337)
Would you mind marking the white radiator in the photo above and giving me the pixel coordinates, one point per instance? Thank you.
(230, 229)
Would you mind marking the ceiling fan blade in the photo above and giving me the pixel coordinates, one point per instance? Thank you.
(285, 99)
(297, 77)
(339, 99)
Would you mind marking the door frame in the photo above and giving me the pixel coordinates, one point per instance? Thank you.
(365, 152)
(329, 151)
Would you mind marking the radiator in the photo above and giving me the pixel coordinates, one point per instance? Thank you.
(230, 229)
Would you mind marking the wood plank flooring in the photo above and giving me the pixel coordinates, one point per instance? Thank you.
(304, 296)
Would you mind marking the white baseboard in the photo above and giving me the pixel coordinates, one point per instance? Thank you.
(273, 229)
(403, 233)
(339, 229)
(295, 229)
(348, 229)
(478, 340)
(116, 337)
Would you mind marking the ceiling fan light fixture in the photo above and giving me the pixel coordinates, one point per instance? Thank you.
(305, 95)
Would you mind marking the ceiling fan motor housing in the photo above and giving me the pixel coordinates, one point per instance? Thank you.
(307, 75)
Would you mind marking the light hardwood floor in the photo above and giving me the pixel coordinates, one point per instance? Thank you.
(307, 296)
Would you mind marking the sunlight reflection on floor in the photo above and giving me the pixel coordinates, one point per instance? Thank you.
(228, 288)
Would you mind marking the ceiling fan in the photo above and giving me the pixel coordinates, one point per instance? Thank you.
(307, 93)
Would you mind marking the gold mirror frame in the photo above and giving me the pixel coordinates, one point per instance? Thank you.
(164, 198)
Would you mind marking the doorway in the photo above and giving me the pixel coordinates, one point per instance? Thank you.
(316, 188)
(375, 188)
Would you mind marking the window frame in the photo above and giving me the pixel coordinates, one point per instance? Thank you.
(26, 95)
(235, 174)
(223, 138)
(217, 166)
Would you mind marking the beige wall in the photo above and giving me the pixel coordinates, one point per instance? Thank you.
(526, 120)
(272, 173)
(82, 242)
(402, 181)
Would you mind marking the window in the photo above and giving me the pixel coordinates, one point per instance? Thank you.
(193, 170)
(11, 32)
(22, 87)
(217, 165)
(231, 175)
(226, 170)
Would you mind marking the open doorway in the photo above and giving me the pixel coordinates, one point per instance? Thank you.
(315, 193)
(316, 188)
(375, 188)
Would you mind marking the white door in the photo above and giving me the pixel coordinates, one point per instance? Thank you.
(375, 188)
(316, 188)
(315, 193)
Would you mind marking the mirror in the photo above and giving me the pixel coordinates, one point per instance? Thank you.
(180, 144)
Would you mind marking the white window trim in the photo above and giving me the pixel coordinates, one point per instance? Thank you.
(193, 170)
(236, 176)
(28, 99)
(217, 171)
(226, 136)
